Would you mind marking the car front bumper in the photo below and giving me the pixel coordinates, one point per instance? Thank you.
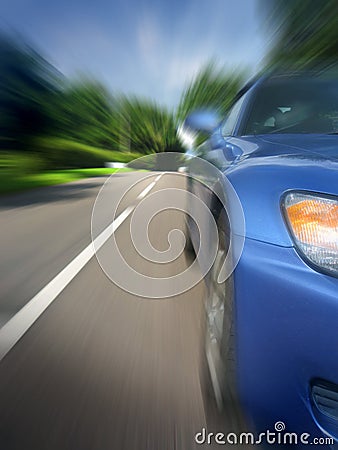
(286, 317)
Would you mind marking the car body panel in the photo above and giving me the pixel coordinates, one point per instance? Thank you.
(282, 346)
(278, 171)
(285, 311)
(281, 168)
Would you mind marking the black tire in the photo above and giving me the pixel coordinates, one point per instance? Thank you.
(218, 377)
(189, 248)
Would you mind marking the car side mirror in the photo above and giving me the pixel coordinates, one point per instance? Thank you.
(203, 120)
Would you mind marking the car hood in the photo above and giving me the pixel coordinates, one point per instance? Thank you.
(271, 165)
(323, 146)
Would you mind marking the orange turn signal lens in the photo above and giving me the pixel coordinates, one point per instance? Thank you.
(313, 223)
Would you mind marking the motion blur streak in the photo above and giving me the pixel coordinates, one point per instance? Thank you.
(13, 330)
(302, 33)
(100, 369)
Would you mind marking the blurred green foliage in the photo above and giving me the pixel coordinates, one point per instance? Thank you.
(60, 153)
(58, 123)
(49, 122)
(303, 33)
(15, 163)
(49, 178)
(213, 87)
(146, 128)
(84, 112)
(27, 84)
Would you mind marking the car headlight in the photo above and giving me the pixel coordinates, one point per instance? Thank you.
(312, 220)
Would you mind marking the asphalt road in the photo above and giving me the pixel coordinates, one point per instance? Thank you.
(100, 369)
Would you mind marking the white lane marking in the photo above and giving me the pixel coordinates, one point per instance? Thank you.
(146, 190)
(17, 326)
(105, 235)
(149, 188)
(214, 380)
(159, 176)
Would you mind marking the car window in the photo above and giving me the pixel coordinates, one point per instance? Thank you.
(301, 105)
(231, 120)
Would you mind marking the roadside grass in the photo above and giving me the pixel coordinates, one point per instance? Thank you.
(58, 153)
(15, 183)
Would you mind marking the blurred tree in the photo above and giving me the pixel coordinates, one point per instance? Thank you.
(27, 83)
(84, 112)
(37, 101)
(304, 33)
(213, 87)
(145, 127)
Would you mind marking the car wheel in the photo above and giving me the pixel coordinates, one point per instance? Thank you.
(218, 367)
(189, 248)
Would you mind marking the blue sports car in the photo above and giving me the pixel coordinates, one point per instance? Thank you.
(272, 326)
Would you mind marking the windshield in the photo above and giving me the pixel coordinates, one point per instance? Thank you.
(294, 105)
